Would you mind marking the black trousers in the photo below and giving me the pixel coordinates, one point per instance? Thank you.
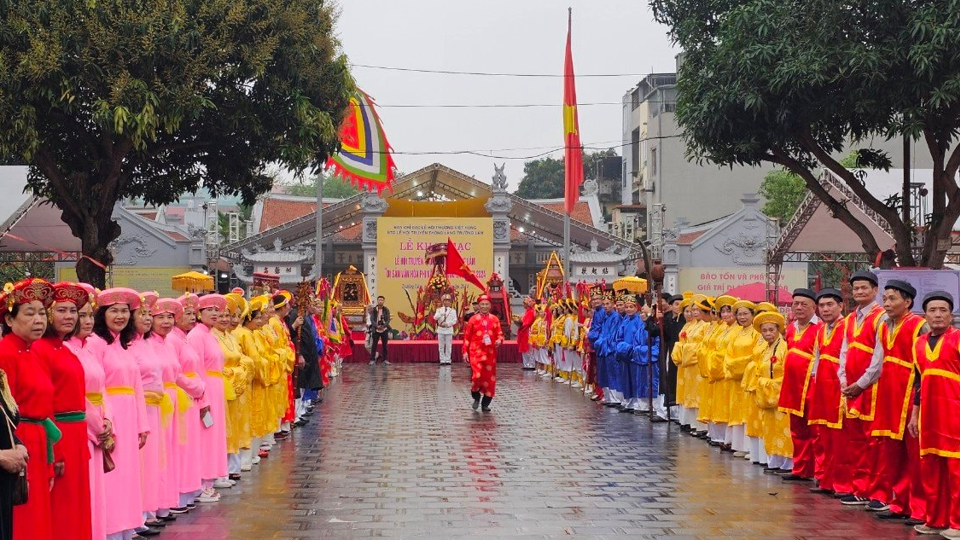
(382, 337)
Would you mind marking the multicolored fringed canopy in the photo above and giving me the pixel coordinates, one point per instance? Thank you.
(364, 159)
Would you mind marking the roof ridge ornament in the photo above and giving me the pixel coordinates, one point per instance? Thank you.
(499, 178)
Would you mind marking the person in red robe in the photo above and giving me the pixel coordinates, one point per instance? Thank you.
(934, 419)
(896, 488)
(481, 338)
(523, 334)
(861, 359)
(24, 310)
(826, 405)
(70, 497)
(795, 391)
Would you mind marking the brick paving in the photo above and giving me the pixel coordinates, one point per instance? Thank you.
(395, 451)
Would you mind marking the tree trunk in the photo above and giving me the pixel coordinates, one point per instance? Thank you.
(95, 237)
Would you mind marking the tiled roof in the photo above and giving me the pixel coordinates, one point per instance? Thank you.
(279, 211)
(349, 234)
(690, 237)
(176, 236)
(581, 211)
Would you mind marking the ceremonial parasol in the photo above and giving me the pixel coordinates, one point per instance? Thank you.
(192, 281)
(631, 284)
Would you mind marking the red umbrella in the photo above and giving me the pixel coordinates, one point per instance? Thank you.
(757, 292)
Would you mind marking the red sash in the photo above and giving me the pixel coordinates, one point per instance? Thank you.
(940, 394)
(861, 340)
(894, 390)
(826, 407)
(796, 369)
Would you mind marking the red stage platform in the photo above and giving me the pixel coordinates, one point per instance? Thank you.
(428, 351)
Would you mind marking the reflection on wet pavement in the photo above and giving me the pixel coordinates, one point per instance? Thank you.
(396, 451)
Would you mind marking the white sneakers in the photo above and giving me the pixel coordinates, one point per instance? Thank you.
(223, 483)
(208, 496)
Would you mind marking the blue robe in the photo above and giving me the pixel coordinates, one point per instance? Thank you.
(604, 348)
(628, 347)
(644, 361)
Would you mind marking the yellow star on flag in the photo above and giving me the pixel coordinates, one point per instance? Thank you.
(569, 119)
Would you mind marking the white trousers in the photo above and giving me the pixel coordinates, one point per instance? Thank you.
(246, 455)
(445, 342)
(233, 463)
(530, 359)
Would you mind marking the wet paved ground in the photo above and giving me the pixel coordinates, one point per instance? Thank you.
(396, 452)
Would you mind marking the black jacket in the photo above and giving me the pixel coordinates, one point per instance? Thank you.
(373, 317)
(306, 346)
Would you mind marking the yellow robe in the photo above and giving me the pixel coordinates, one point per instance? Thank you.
(743, 345)
(237, 368)
(776, 425)
(719, 411)
(676, 356)
(689, 369)
(277, 339)
(276, 373)
(253, 346)
(706, 353)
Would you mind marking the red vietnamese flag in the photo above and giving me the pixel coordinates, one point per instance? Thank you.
(573, 151)
(458, 267)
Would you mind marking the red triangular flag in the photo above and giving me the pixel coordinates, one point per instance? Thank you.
(458, 267)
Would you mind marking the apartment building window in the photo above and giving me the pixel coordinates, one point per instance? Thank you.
(653, 161)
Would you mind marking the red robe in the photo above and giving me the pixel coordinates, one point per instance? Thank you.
(861, 340)
(940, 395)
(894, 400)
(826, 407)
(523, 334)
(33, 391)
(940, 427)
(796, 369)
(483, 352)
(70, 497)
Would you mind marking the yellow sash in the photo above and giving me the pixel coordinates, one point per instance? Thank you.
(95, 399)
(228, 391)
(184, 403)
(120, 391)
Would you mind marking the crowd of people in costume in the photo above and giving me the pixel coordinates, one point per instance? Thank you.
(858, 400)
(608, 348)
(124, 410)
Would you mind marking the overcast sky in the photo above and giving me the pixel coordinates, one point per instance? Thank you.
(515, 36)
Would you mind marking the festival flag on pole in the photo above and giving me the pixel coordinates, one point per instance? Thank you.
(573, 151)
(364, 158)
(458, 267)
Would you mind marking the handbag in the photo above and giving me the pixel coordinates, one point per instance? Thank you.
(108, 463)
(21, 488)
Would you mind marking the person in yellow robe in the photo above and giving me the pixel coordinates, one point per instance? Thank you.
(777, 442)
(704, 354)
(711, 371)
(689, 369)
(752, 416)
(554, 343)
(676, 356)
(538, 338)
(236, 370)
(276, 400)
(744, 345)
(285, 402)
(254, 345)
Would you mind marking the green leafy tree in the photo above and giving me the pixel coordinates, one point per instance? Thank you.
(784, 191)
(333, 187)
(793, 82)
(110, 99)
(543, 178)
